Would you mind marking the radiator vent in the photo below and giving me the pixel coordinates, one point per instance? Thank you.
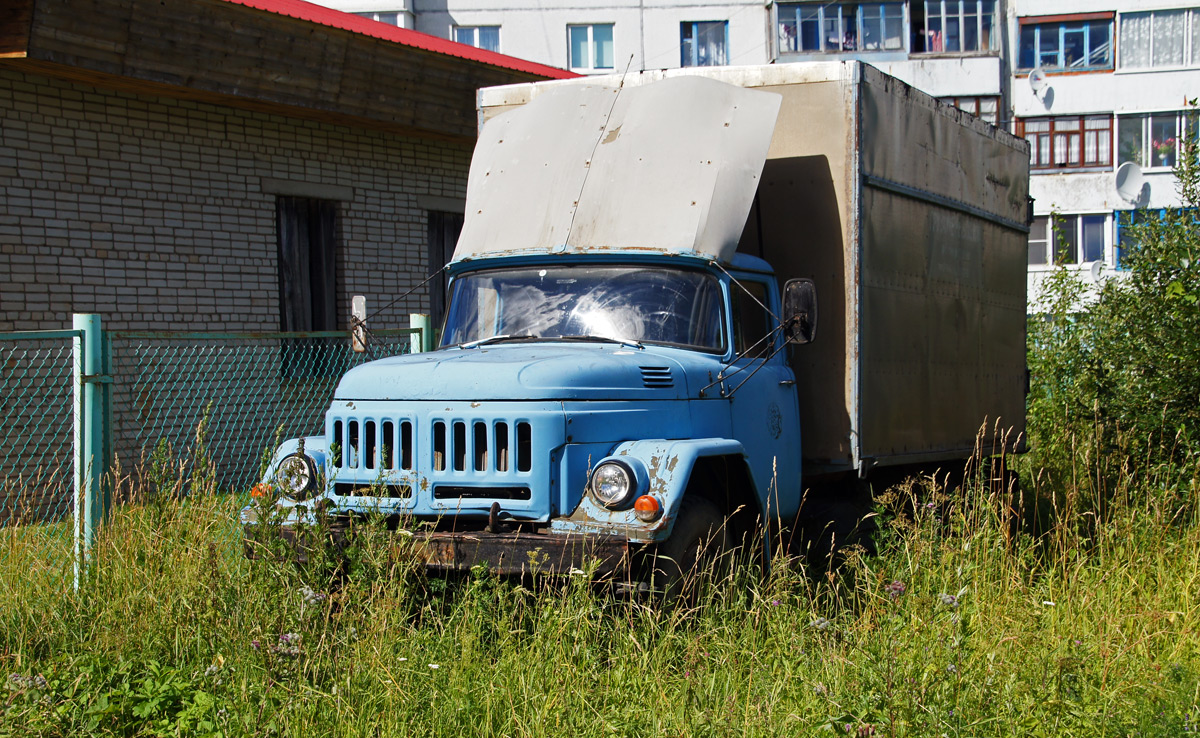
(657, 376)
(474, 445)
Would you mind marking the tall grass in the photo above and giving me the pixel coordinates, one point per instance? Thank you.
(963, 625)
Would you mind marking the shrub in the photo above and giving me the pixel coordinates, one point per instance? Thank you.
(1120, 377)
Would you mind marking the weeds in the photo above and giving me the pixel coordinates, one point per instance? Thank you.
(956, 627)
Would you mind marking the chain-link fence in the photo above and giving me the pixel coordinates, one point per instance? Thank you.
(37, 452)
(150, 399)
(246, 389)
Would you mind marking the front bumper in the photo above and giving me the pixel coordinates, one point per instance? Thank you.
(516, 552)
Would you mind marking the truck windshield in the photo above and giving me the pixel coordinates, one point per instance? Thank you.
(619, 303)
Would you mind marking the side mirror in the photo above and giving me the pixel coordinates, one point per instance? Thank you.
(800, 310)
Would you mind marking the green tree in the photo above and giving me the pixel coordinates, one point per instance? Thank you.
(1121, 376)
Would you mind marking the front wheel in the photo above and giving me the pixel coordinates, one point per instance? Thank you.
(694, 551)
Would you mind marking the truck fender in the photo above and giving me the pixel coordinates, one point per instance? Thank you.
(663, 469)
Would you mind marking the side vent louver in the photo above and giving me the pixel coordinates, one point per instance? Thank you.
(657, 376)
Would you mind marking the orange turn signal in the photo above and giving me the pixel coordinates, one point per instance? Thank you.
(647, 508)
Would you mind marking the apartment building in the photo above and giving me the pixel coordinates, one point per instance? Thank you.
(1092, 84)
(949, 48)
(1099, 87)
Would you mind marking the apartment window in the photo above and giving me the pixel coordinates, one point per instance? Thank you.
(1074, 43)
(392, 18)
(1153, 140)
(1160, 38)
(1125, 219)
(1066, 142)
(703, 43)
(835, 27)
(1067, 239)
(1039, 241)
(591, 47)
(1125, 238)
(481, 37)
(955, 26)
(986, 108)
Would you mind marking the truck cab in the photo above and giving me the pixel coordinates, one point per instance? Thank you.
(572, 398)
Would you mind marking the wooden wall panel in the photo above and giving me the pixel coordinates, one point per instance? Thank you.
(209, 48)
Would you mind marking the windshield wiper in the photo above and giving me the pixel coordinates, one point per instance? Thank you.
(526, 337)
(603, 339)
(498, 339)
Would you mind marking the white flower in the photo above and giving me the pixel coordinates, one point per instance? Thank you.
(434, 666)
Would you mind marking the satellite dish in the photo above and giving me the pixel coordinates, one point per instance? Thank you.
(1037, 82)
(1097, 269)
(1130, 182)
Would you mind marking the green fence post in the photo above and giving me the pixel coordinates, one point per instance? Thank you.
(424, 340)
(89, 438)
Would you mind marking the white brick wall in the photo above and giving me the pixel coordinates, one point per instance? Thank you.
(151, 211)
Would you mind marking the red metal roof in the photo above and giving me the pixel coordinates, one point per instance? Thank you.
(357, 24)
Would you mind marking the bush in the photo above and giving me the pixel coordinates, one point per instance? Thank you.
(1120, 377)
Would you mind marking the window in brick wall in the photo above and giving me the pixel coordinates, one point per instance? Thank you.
(306, 235)
(443, 228)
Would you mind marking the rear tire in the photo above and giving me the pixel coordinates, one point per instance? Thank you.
(694, 554)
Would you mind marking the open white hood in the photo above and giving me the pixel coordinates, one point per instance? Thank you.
(669, 167)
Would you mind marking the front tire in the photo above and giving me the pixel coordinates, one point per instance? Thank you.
(694, 554)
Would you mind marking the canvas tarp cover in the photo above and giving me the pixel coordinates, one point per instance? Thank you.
(670, 167)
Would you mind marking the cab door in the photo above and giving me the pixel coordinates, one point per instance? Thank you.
(762, 391)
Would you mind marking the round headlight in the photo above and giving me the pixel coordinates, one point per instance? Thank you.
(612, 484)
(296, 476)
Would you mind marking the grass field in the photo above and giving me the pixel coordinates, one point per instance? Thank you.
(958, 627)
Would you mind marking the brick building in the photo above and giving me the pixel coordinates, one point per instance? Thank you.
(227, 164)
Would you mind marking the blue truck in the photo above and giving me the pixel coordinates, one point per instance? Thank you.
(630, 365)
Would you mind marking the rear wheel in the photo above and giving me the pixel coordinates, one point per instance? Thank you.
(694, 552)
